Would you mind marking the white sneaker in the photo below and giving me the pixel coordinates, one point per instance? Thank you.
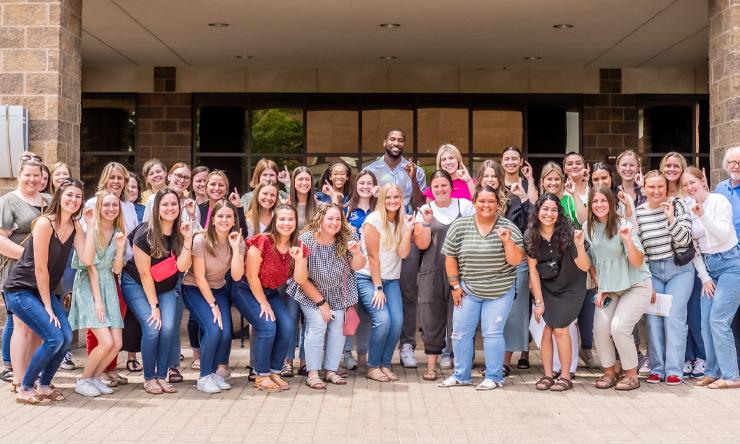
(688, 367)
(445, 362)
(67, 363)
(220, 382)
(407, 356)
(101, 386)
(645, 366)
(698, 371)
(86, 388)
(350, 363)
(206, 384)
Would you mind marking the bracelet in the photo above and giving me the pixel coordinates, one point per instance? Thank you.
(321, 302)
(185, 248)
(153, 306)
(425, 225)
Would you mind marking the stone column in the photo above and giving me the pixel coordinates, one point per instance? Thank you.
(40, 68)
(724, 81)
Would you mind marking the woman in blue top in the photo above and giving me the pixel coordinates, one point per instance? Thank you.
(335, 184)
(134, 196)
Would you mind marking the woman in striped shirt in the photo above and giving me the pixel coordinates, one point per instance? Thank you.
(664, 228)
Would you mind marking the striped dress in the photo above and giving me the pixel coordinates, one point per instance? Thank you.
(656, 234)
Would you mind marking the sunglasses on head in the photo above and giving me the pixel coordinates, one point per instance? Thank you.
(28, 157)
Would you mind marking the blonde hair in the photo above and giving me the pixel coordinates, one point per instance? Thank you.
(549, 168)
(697, 173)
(452, 149)
(392, 235)
(345, 234)
(627, 153)
(118, 224)
(52, 169)
(262, 165)
(678, 156)
(105, 175)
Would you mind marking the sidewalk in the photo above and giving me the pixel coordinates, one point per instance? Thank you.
(411, 410)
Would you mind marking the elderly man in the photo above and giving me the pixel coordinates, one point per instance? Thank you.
(730, 188)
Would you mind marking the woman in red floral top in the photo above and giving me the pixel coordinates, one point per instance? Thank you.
(268, 266)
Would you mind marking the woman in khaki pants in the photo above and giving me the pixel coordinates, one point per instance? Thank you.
(624, 288)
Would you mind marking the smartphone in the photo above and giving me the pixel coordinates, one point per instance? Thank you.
(607, 301)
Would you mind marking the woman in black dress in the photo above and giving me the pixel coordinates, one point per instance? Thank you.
(557, 259)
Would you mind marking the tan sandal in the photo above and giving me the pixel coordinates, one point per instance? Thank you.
(376, 374)
(166, 386)
(335, 378)
(152, 387)
(562, 385)
(432, 374)
(628, 383)
(34, 399)
(706, 380)
(282, 383)
(544, 383)
(723, 384)
(54, 395)
(606, 382)
(266, 384)
(386, 371)
(315, 383)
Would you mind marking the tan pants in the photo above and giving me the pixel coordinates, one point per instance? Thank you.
(613, 325)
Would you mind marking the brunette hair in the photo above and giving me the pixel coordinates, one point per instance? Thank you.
(271, 229)
(45, 169)
(118, 224)
(310, 197)
(55, 207)
(345, 234)
(613, 219)
(210, 237)
(440, 173)
(262, 165)
(563, 231)
(502, 193)
(596, 166)
(148, 165)
(155, 236)
(253, 211)
(138, 186)
(52, 169)
(487, 189)
(355, 199)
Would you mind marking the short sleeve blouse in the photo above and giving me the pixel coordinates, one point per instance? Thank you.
(217, 265)
(276, 267)
(609, 257)
(332, 275)
(390, 261)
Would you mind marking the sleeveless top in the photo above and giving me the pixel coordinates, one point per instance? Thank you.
(23, 274)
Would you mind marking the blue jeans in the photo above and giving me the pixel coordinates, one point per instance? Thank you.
(586, 320)
(214, 341)
(386, 322)
(492, 314)
(175, 349)
(7, 334)
(694, 342)
(294, 310)
(717, 314)
(320, 334)
(362, 335)
(667, 334)
(271, 338)
(46, 359)
(156, 344)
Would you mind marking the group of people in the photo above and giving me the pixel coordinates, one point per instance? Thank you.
(342, 271)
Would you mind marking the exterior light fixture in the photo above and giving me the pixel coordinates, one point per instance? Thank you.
(562, 26)
(532, 58)
(390, 25)
(388, 57)
(218, 25)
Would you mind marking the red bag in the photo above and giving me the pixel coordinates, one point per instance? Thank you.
(165, 269)
(351, 318)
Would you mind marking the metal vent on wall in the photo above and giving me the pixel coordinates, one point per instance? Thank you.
(13, 138)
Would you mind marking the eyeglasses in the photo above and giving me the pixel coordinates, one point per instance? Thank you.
(30, 157)
(71, 181)
(733, 163)
(181, 177)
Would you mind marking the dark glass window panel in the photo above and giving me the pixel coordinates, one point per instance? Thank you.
(221, 129)
(91, 165)
(106, 129)
(547, 131)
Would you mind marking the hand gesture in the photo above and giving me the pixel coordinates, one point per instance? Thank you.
(378, 299)
(410, 169)
(217, 319)
(517, 189)
(154, 319)
(120, 240)
(698, 209)
(88, 214)
(668, 210)
(408, 222)
(234, 199)
(426, 212)
(296, 253)
(600, 298)
(234, 240)
(284, 176)
(186, 229)
(52, 317)
(539, 310)
(527, 172)
(578, 238)
(570, 187)
(624, 198)
(189, 206)
(463, 174)
(625, 232)
(639, 179)
(375, 190)
(708, 289)
(266, 312)
(584, 173)
(353, 247)
(504, 234)
(327, 189)
(100, 310)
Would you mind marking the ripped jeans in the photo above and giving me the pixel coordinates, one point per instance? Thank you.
(492, 314)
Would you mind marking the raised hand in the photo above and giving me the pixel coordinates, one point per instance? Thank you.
(578, 238)
(353, 247)
(570, 187)
(625, 232)
(284, 176)
(517, 189)
(296, 253)
(410, 169)
(623, 197)
(426, 212)
(120, 240)
(234, 199)
(408, 222)
(639, 179)
(89, 215)
(668, 210)
(504, 234)
(698, 209)
(463, 174)
(186, 229)
(327, 188)
(527, 172)
(375, 190)
(234, 240)
(584, 173)
(189, 206)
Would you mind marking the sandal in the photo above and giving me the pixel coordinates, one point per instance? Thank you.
(522, 364)
(303, 371)
(432, 374)
(195, 365)
(54, 395)
(386, 371)
(628, 383)
(562, 385)
(723, 384)
(109, 380)
(606, 382)
(287, 371)
(121, 380)
(507, 371)
(335, 378)
(133, 366)
(266, 384)
(315, 383)
(174, 376)
(279, 381)
(705, 381)
(545, 383)
(7, 375)
(152, 387)
(377, 374)
(166, 386)
(34, 399)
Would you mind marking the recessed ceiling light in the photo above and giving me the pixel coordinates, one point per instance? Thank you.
(244, 57)
(562, 26)
(390, 25)
(388, 57)
(218, 25)
(532, 58)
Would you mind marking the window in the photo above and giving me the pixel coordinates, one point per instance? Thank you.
(438, 126)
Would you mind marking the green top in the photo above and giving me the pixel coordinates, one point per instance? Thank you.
(609, 257)
(481, 259)
(569, 206)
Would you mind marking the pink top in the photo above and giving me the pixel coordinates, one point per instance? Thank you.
(460, 190)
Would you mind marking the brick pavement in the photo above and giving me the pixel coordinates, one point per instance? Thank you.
(410, 410)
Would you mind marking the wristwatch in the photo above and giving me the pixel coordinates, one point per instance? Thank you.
(153, 306)
(321, 302)
(212, 305)
(454, 287)
(379, 287)
(538, 302)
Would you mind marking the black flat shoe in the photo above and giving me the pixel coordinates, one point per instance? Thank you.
(507, 371)
(522, 364)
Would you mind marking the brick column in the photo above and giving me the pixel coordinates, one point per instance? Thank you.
(40, 68)
(163, 125)
(724, 81)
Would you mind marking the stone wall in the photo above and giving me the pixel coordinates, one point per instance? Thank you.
(40, 68)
